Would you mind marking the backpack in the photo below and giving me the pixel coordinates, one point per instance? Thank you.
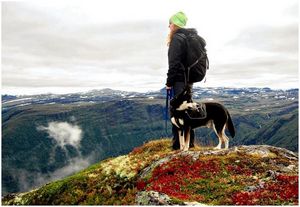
(197, 60)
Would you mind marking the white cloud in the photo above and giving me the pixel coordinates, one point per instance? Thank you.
(74, 165)
(64, 133)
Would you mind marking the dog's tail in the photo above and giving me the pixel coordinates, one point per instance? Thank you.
(230, 126)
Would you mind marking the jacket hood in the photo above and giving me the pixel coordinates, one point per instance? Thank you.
(187, 31)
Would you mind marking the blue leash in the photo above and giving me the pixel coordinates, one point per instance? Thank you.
(170, 94)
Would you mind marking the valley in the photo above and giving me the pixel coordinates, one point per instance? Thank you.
(46, 137)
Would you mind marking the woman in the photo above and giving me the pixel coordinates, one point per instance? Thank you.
(177, 63)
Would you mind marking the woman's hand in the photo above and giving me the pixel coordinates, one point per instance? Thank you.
(168, 87)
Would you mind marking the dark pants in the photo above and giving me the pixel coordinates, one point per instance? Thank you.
(177, 88)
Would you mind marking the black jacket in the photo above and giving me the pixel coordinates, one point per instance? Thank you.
(177, 57)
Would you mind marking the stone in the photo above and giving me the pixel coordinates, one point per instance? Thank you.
(250, 188)
(289, 168)
(152, 198)
(194, 203)
(272, 174)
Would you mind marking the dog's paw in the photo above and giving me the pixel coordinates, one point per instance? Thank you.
(185, 148)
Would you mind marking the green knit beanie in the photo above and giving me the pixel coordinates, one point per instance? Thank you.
(179, 19)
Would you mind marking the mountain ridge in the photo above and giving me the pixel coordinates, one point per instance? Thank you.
(93, 95)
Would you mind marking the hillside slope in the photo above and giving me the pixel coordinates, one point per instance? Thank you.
(154, 174)
(107, 129)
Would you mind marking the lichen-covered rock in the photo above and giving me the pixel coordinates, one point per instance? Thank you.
(152, 198)
(259, 151)
(156, 198)
(263, 175)
(154, 174)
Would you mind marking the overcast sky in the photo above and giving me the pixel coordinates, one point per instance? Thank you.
(70, 46)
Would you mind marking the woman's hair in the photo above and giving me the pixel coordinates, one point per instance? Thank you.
(170, 35)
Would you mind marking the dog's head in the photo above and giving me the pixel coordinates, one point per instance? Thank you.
(184, 97)
(192, 106)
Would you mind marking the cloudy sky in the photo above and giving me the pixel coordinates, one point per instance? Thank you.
(70, 46)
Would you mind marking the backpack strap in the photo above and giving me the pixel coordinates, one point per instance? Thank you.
(183, 36)
(186, 71)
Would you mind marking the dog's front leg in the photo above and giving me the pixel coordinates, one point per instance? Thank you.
(187, 136)
(219, 146)
(181, 139)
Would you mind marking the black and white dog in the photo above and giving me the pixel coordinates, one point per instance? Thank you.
(187, 115)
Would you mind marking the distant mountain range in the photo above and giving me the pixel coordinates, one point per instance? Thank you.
(104, 95)
(48, 136)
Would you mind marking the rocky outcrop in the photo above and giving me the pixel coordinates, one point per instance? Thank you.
(258, 168)
(259, 151)
(153, 174)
